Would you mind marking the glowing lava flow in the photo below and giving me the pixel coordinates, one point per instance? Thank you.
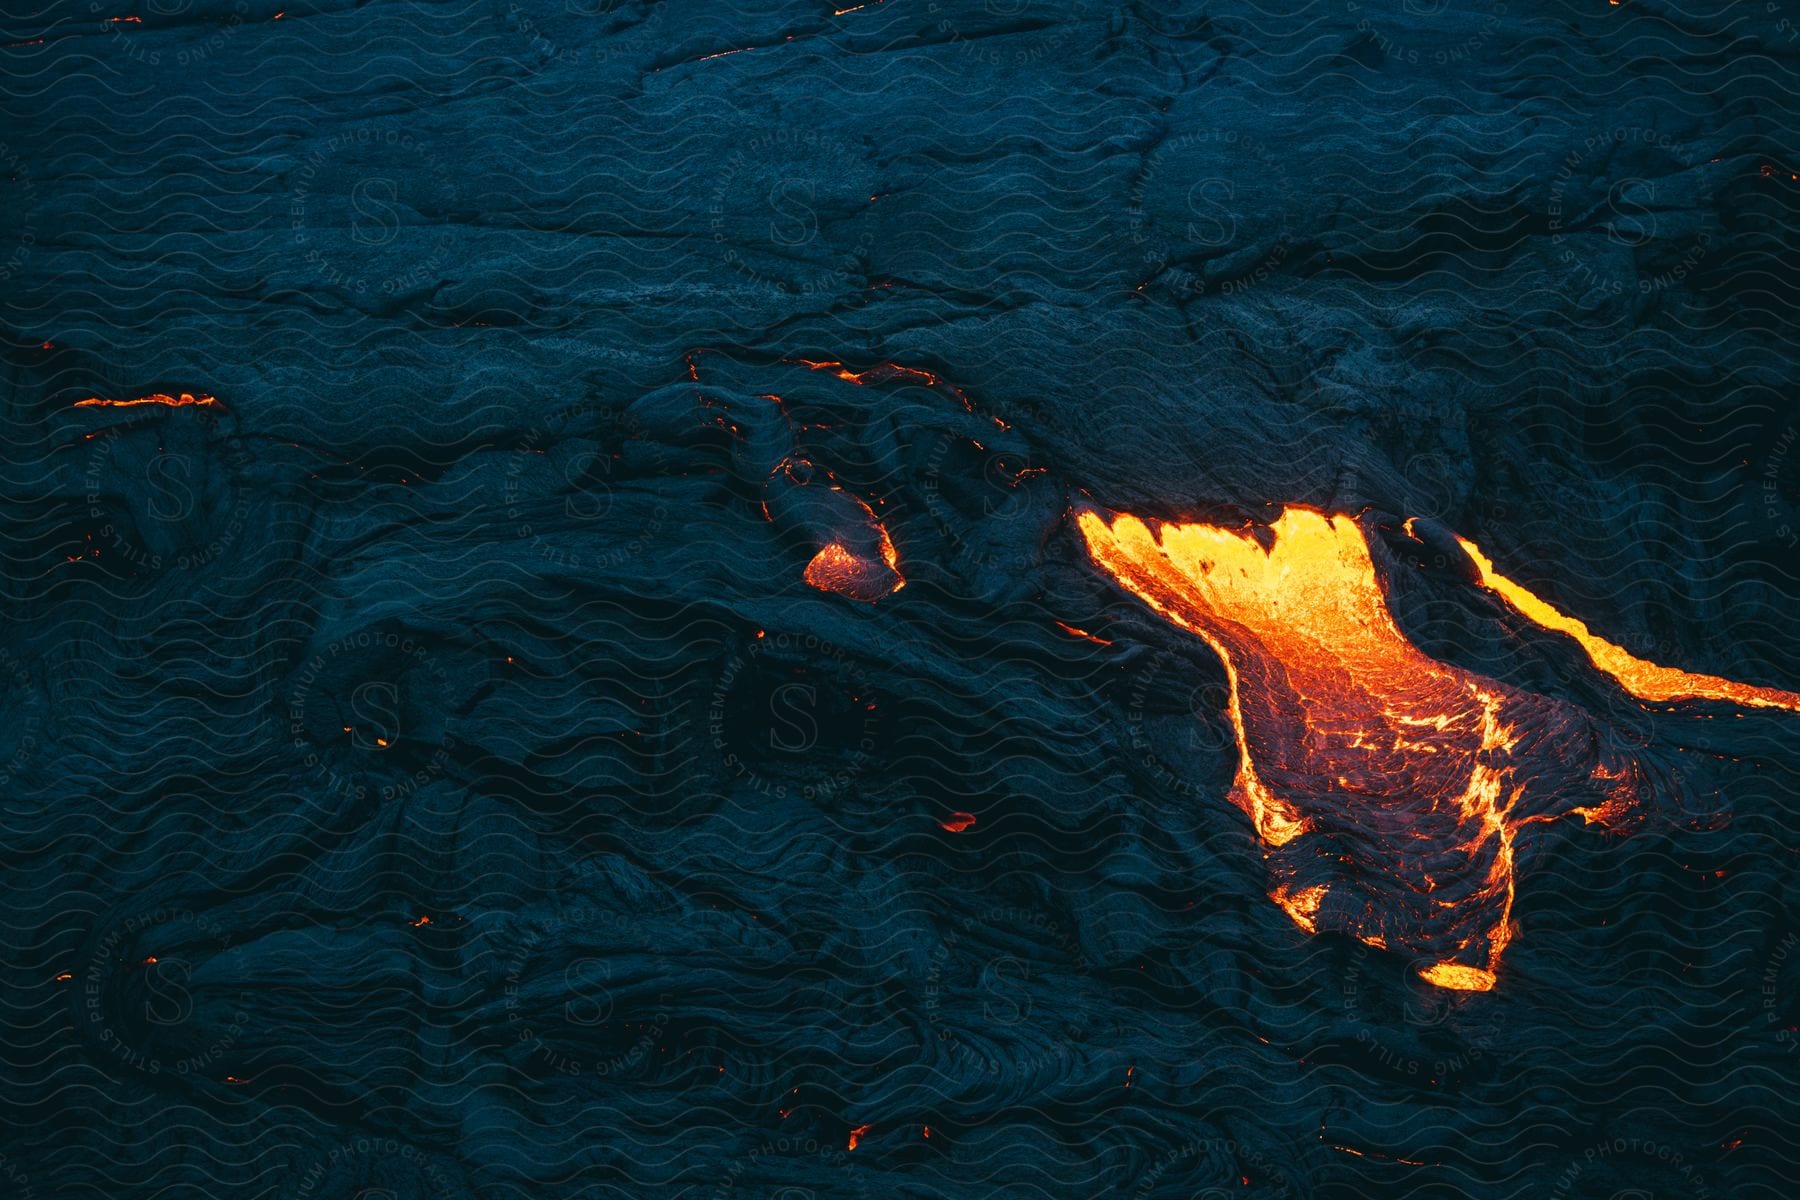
(1645, 680)
(1386, 787)
(856, 557)
(837, 568)
(184, 400)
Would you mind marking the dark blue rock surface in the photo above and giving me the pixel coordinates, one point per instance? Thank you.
(425, 771)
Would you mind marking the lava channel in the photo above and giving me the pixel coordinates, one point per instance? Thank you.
(1645, 680)
(1387, 787)
(184, 400)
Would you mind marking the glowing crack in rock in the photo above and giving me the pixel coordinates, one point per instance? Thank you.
(184, 400)
(1645, 680)
(1387, 788)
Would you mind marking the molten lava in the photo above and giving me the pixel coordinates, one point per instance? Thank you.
(836, 568)
(1645, 680)
(184, 400)
(1386, 787)
(887, 372)
(860, 561)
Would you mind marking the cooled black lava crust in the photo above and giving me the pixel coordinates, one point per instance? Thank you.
(426, 770)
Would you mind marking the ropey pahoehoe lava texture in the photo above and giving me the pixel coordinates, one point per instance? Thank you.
(648, 599)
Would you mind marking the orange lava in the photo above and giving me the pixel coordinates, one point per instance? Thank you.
(1077, 631)
(1645, 680)
(184, 400)
(886, 372)
(836, 568)
(1386, 787)
(1458, 977)
(1302, 906)
(856, 1135)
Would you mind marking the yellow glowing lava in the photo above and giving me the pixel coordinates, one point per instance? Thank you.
(1410, 778)
(1645, 680)
(1303, 905)
(1345, 728)
(1458, 978)
(1203, 576)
